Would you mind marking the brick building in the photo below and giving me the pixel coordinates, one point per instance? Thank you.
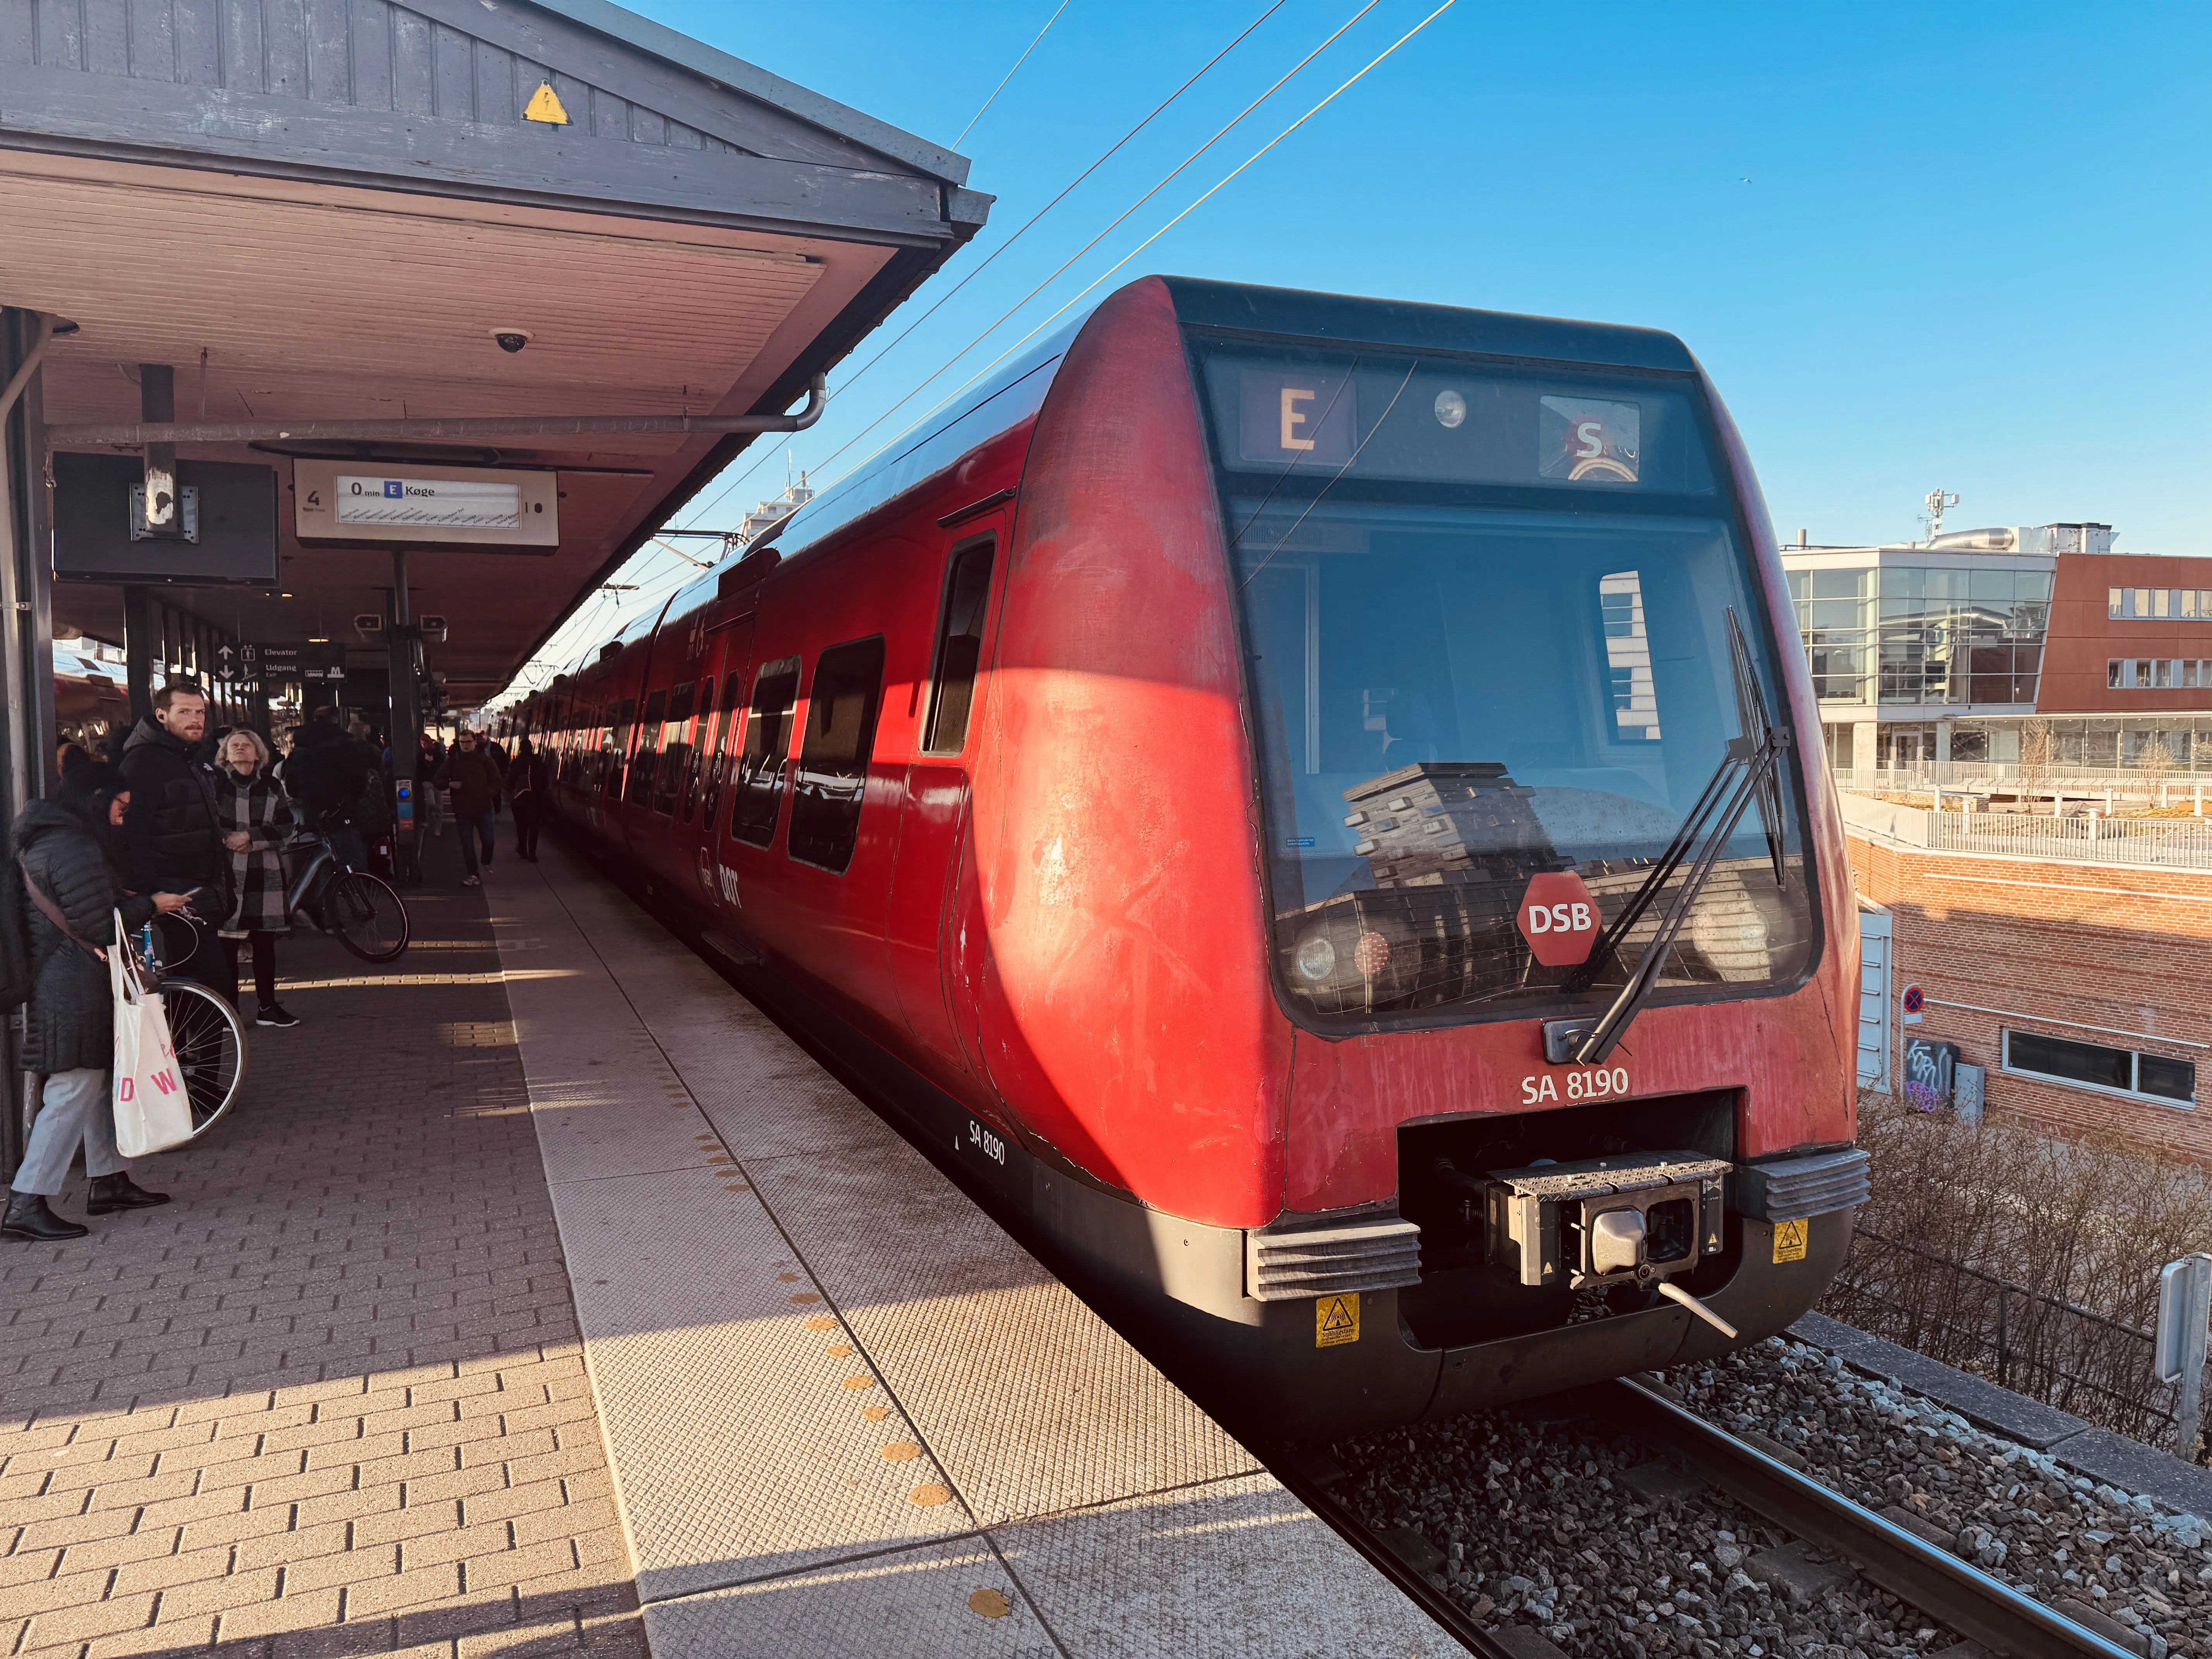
(2081, 987)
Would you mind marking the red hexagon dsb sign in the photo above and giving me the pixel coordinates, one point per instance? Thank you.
(1560, 918)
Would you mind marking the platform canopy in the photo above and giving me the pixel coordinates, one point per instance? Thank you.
(318, 214)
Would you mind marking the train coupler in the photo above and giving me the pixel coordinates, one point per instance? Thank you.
(1626, 1218)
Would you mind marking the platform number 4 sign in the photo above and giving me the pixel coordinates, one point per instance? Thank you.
(1790, 1241)
(1336, 1320)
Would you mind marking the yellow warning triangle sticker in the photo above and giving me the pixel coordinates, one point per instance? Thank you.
(1339, 1317)
(1336, 1320)
(544, 105)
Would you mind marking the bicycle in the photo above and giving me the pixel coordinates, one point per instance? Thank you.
(361, 912)
(204, 1030)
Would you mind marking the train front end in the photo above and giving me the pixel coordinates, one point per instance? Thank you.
(1407, 866)
(1558, 907)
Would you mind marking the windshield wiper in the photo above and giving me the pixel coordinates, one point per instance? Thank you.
(1752, 765)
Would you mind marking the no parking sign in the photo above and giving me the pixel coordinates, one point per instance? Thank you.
(1912, 1002)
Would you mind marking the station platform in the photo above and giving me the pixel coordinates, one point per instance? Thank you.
(543, 1295)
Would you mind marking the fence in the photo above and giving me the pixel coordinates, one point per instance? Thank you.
(2075, 783)
(2183, 843)
(2057, 1351)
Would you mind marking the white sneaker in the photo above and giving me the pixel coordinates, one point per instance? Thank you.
(471, 881)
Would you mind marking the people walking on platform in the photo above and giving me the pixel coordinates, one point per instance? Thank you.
(474, 779)
(328, 773)
(256, 814)
(529, 783)
(430, 756)
(73, 850)
(175, 845)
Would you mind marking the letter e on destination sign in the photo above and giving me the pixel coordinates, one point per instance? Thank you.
(1560, 918)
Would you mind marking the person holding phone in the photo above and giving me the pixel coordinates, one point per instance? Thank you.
(255, 817)
(69, 851)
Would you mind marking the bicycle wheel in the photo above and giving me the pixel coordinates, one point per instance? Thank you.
(370, 919)
(209, 1039)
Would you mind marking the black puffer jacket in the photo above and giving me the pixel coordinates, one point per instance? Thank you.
(326, 774)
(69, 1023)
(175, 843)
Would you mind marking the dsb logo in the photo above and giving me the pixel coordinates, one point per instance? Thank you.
(1560, 918)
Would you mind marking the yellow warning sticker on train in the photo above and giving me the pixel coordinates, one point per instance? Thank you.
(1790, 1241)
(544, 105)
(1336, 1320)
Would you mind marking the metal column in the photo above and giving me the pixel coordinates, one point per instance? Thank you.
(405, 674)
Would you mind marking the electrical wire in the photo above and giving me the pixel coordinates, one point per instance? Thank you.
(1181, 168)
(985, 264)
(1011, 73)
(1095, 282)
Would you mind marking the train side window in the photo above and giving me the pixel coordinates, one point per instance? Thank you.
(718, 745)
(760, 768)
(699, 743)
(959, 647)
(618, 744)
(831, 780)
(644, 763)
(676, 747)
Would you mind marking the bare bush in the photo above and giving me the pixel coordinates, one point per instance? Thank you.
(2022, 1257)
(2154, 764)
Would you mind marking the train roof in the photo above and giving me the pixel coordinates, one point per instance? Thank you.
(1015, 392)
(1350, 319)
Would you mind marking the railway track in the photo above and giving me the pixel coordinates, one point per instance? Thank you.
(1951, 1592)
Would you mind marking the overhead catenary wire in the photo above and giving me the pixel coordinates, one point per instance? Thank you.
(985, 264)
(1011, 73)
(1180, 168)
(1226, 179)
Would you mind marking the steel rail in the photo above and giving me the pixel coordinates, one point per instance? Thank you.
(1929, 1577)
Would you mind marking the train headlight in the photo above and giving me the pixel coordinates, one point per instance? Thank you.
(1744, 927)
(1316, 959)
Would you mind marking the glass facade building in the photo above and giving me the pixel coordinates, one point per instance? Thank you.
(1900, 635)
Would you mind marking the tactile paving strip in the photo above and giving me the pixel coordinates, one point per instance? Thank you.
(1237, 1569)
(1034, 1403)
(759, 1522)
(746, 1447)
(947, 1601)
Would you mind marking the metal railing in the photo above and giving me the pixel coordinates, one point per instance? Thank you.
(2043, 1347)
(2179, 843)
(2128, 784)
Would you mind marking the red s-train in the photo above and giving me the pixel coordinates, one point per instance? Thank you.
(1298, 792)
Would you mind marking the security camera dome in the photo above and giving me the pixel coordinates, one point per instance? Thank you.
(511, 339)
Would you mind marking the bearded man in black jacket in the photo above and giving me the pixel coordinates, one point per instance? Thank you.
(175, 842)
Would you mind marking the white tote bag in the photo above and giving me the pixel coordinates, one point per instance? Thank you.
(152, 1113)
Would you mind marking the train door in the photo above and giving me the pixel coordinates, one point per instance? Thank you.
(934, 812)
(704, 808)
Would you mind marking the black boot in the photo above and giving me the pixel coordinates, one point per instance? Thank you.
(29, 1217)
(119, 1191)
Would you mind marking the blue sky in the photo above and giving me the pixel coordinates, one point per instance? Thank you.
(1960, 245)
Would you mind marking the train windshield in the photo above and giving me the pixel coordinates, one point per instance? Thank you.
(1487, 616)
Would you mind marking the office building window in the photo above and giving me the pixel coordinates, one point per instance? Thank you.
(2159, 604)
(2159, 1078)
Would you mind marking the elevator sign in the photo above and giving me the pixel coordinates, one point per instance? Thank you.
(1560, 918)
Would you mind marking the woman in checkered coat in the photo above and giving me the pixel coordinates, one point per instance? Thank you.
(255, 816)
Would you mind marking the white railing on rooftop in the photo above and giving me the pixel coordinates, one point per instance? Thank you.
(2183, 843)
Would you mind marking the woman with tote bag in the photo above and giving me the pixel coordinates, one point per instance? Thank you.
(255, 816)
(72, 897)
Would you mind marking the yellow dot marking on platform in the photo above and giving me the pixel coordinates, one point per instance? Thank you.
(843, 1351)
(1790, 1241)
(787, 1278)
(877, 1413)
(805, 1297)
(739, 1187)
(990, 1603)
(1336, 1320)
(929, 1497)
(901, 1451)
(856, 1383)
(824, 1323)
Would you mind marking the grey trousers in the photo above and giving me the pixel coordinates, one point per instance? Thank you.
(77, 1106)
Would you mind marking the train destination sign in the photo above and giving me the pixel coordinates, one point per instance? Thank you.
(389, 504)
